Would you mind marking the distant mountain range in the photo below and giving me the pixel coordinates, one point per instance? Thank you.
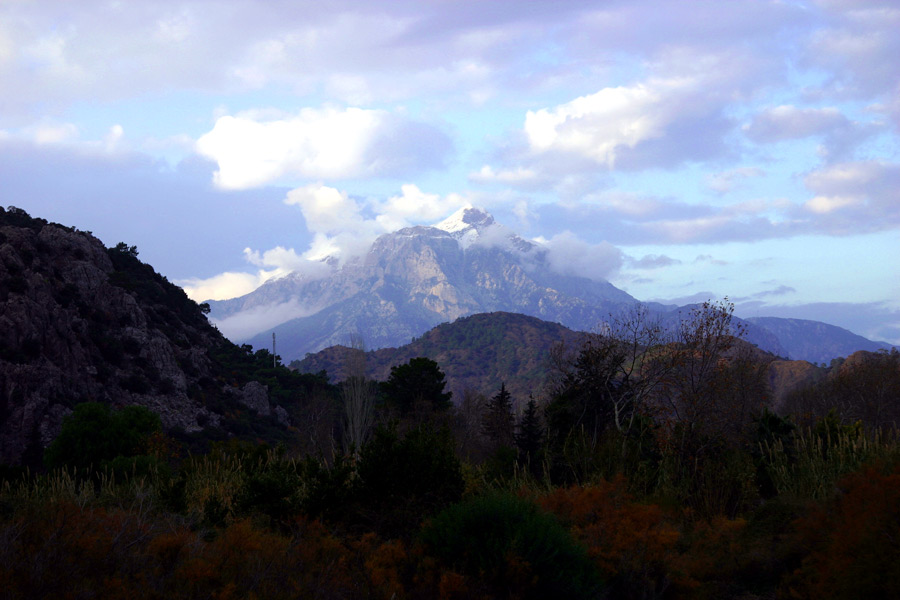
(815, 341)
(416, 278)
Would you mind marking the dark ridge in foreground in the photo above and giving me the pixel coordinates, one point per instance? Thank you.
(81, 322)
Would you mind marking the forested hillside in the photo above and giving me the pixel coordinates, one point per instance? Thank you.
(477, 353)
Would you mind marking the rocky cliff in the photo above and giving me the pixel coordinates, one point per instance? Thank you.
(80, 322)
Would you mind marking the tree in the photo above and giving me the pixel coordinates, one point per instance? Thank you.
(530, 436)
(93, 435)
(404, 480)
(358, 396)
(417, 388)
(498, 421)
(707, 369)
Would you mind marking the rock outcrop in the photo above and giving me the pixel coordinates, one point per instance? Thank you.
(80, 322)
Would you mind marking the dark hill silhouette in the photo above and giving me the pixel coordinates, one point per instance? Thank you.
(478, 353)
(81, 322)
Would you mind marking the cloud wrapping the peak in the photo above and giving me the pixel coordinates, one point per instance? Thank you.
(413, 205)
(567, 254)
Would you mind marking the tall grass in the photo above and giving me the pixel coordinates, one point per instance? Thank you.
(810, 464)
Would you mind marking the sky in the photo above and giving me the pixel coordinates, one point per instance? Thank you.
(682, 151)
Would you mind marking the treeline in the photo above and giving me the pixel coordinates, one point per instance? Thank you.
(650, 466)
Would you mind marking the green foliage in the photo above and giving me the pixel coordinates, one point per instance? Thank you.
(174, 307)
(512, 547)
(93, 436)
(417, 386)
(403, 480)
(814, 459)
(272, 489)
(530, 436)
(497, 423)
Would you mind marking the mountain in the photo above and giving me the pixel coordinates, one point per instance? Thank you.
(477, 353)
(415, 278)
(81, 322)
(418, 277)
(815, 341)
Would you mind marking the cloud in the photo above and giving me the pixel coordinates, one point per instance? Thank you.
(222, 286)
(781, 290)
(858, 49)
(273, 264)
(855, 197)
(726, 181)
(415, 206)
(674, 115)
(567, 254)
(519, 176)
(651, 261)
(325, 209)
(342, 228)
(709, 258)
(253, 149)
(786, 122)
(249, 322)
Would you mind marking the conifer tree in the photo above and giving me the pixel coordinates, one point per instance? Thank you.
(498, 422)
(530, 436)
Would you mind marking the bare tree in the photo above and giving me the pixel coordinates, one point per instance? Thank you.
(358, 395)
(469, 414)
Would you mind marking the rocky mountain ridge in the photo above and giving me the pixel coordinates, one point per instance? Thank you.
(413, 279)
(81, 322)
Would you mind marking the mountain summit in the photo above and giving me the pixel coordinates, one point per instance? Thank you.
(467, 224)
(413, 279)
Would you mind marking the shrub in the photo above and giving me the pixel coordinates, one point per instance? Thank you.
(93, 435)
(509, 547)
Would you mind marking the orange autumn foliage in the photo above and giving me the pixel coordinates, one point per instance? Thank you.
(853, 541)
(630, 542)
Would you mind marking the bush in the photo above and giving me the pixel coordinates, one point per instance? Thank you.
(403, 481)
(93, 435)
(510, 547)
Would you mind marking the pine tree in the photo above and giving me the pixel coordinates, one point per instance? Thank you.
(530, 436)
(498, 422)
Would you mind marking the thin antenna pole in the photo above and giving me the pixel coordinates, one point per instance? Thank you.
(274, 355)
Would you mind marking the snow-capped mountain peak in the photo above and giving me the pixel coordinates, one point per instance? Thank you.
(467, 217)
(467, 224)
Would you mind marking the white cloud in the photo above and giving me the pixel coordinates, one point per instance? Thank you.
(326, 209)
(255, 148)
(328, 143)
(567, 254)
(415, 206)
(676, 114)
(247, 323)
(598, 125)
(49, 133)
(864, 195)
(222, 286)
(517, 176)
(827, 204)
